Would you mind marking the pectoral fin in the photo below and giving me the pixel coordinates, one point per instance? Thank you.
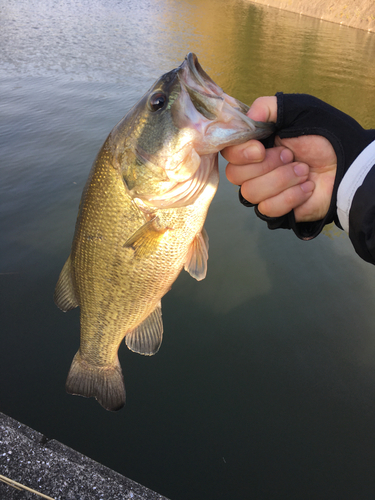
(196, 263)
(146, 239)
(146, 338)
(65, 296)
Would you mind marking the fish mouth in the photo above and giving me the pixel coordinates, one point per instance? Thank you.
(200, 77)
(204, 93)
(226, 121)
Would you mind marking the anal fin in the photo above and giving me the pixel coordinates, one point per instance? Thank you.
(196, 262)
(65, 296)
(147, 337)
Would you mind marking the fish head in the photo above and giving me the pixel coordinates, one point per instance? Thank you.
(173, 134)
(224, 121)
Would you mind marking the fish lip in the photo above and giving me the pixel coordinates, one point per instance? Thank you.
(195, 80)
(205, 95)
(200, 76)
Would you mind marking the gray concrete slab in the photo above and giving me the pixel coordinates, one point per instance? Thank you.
(51, 468)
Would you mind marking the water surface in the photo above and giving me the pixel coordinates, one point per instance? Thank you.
(264, 387)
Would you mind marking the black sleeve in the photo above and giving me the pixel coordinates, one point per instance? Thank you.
(302, 114)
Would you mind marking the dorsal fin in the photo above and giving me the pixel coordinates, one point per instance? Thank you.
(196, 263)
(65, 297)
(146, 338)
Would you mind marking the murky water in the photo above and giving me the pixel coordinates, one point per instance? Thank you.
(264, 387)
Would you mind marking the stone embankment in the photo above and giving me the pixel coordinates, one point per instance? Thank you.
(32, 467)
(355, 13)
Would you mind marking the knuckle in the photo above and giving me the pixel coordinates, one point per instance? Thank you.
(249, 193)
(266, 208)
(283, 178)
(290, 198)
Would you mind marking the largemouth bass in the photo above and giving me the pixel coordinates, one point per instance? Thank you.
(141, 218)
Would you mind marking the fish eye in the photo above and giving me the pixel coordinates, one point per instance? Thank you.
(157, 101)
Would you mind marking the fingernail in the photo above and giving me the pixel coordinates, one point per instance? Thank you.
(286, 156)
(253, 153)
(301, 169)
(307, 187)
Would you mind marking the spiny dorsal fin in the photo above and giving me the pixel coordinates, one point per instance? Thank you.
(196, 263)
(146, 338)
(64, 296)
(146, 239)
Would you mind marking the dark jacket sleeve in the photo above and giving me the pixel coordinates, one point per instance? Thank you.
(356, 203)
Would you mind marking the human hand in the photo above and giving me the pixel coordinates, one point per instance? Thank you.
(297, 174)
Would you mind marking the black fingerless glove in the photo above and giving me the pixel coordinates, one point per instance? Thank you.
(302, 114)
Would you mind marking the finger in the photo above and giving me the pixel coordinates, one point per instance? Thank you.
(264, 109)
(275, 182)
(288, 200)
(274, 158)
(315, 150)
(250, 152)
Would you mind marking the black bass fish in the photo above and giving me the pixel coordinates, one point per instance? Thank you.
(141, 218)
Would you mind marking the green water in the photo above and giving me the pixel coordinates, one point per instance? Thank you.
(264, 387)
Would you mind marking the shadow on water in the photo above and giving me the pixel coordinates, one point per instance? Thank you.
(264, 386)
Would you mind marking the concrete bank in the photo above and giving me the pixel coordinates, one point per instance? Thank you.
(55, 470)
(355, 13)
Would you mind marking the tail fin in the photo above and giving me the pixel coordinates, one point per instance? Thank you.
(106, 384)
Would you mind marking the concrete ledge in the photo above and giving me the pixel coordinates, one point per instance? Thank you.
(51, 468)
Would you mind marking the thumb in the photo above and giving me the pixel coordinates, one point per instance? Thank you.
(264, 109)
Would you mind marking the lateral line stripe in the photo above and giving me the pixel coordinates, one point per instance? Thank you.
(351, 181)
